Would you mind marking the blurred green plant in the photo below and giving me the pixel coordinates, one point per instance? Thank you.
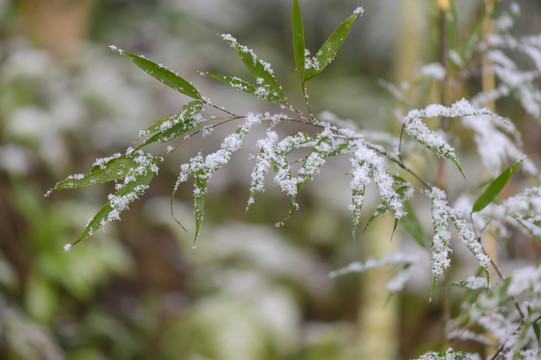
(510, 310)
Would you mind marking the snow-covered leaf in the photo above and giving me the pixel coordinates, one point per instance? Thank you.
(199, 200)
(447, 355)
(431, 139)
(328, 50)
(260, 91)
(260, 69)
(172, 127)
(108, 169)
(442, 236)
(134, 184)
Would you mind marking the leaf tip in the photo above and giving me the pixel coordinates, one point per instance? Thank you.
(114, 48)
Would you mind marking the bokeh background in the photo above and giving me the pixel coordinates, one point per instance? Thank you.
(248, 291)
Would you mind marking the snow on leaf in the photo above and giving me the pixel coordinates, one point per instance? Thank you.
(368, 163)
(261, 92)
(263, 163)
(494, 147)
(442, 236)
(258, 68)
(135, 183)
(432, 140)
(164, 75)
(325, 55)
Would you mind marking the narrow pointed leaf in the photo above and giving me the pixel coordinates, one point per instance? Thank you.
(199, 198)
(412, 225)
(260, 92)
(175, 126)
(113, 169)
(260, 69)
(188, 111)
(327, 52)
(494, 188)
(473, 38)
(298, 39)
(119, 201)
(164, 75)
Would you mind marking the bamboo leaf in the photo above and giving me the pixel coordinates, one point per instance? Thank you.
(494, 188)
(260, 92)
(199, 198)
(412, 225)
(112, 169)
(298, 39)
(188, 111)
(172, 127)
(327, 52)
(118, 202)
(473, 38)
(260, 69)
(164, 75)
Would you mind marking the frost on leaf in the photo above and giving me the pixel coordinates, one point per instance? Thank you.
(522, 210)
(442, 236)
(406, 262)
(135, 182)
(369, 166)
(495, 148)
(430, 139)
(203, 167)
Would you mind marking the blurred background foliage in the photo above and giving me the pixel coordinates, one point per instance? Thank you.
(137, 290)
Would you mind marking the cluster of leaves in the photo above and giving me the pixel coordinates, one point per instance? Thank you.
(372, 162)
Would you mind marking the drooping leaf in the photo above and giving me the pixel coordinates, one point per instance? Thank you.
(118, 202)
(260, 92)
(298, 39)
(199, 198)
(412, 225)
(327, 52)
(315, 159)
(384, 207)
(260, 69)
(164, 75)
(494, 188)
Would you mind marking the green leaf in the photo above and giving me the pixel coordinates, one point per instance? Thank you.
(494, 188)
(172, 127)
(472, 40)
(260, 92)
(258, 68)
(164, 75)
(188, 111)
(327, 52)
(537, 331)
(112, 169)
(199, 198)
(412, 225)
(298, 39)
(128, 193)
(384, 207)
